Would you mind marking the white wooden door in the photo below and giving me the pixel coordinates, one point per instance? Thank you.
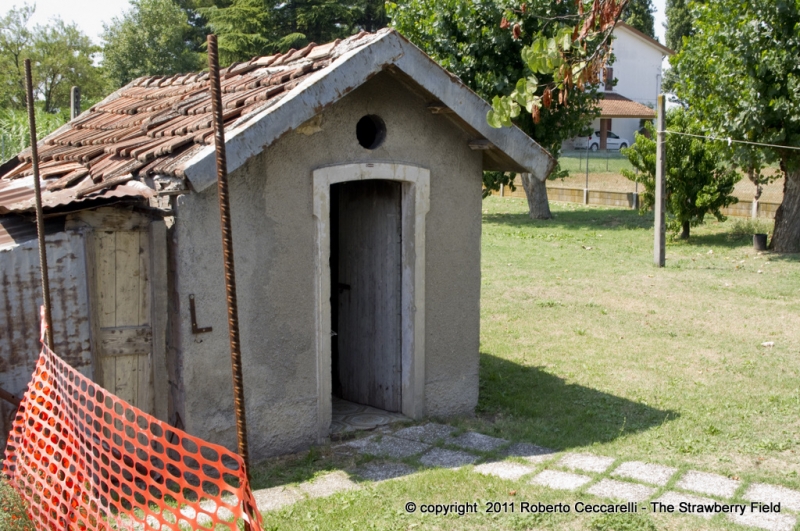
(123, 318)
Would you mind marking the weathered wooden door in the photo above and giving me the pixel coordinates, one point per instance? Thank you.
(368, 310)
(122, 299)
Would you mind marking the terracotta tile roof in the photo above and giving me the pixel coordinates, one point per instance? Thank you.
(613, 105)
(154, 125)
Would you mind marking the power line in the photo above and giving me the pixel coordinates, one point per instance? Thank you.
(730, 141)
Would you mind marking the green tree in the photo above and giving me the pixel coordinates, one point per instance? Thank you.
(153, 37)
(679, 23)
(698, 182)
(471, 39)
(740, 75)
(61, 56)
(64, 56)
(248, 28)
(639, 14)
(15, 41)
(245, 29)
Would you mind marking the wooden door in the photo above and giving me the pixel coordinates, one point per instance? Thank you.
(122, 300)
(368, 254)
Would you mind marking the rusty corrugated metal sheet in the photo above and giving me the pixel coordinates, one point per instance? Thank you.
(154, 125)
(17, 195)
(20, 298)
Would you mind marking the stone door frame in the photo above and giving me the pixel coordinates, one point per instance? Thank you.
(414, 209)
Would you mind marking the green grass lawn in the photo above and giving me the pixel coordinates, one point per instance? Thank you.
(586, 346)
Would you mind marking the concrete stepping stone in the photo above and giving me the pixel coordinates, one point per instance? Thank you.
(530, 452)
(375, 471)
(621, 490)
(706, 483)
(560, 480)
(645, 472)
(770, 521)
(447, 458)
(477, 441)
(429, 433)
(388, 445)
(676, 498)
(276, 497)
(328, 485)
(586, 462)
(761, 492)
(504, 470)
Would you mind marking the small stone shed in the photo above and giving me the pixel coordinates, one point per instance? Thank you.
(355, 176)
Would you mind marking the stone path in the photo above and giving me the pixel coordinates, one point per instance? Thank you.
(650, 485)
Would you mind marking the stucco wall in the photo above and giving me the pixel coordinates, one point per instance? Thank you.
(273, 227)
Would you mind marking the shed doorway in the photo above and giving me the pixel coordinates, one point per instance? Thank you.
(366, 293)
(402, 192)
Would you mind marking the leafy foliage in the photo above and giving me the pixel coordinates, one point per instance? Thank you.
(472, 40)
(679, 23)
(247, 28)
(61, 56)
(740, 75)
(153, 37)
(697, 180)
(14, 132)
(639, 14)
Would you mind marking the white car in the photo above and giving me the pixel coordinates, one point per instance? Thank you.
(613, 141)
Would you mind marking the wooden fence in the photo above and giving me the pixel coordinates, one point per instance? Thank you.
(743, 208)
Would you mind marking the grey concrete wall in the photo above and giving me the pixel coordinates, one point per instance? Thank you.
(20, 300)
(273, 228)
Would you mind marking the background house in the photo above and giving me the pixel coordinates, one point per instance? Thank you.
(637, 70)
(355, 181)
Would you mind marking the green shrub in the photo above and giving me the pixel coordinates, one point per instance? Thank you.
(745, 228)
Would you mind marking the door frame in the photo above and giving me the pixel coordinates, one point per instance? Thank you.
(415, 204)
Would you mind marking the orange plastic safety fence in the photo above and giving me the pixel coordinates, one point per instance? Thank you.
(86, 460)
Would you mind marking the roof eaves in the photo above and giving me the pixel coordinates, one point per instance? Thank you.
(350, 70)
(647, 38)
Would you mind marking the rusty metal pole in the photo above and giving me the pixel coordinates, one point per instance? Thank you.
(227, 250)
(48, 319)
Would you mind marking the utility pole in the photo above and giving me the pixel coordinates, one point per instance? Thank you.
(659, 245)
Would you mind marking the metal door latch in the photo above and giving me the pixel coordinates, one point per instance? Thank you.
(195, 328)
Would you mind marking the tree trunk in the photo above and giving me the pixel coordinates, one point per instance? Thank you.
(786, 238)
(685, 230)
(536, 192)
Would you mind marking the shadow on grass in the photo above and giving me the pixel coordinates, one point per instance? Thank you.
(541, 408)
(296, 468)
(719, 239)
(582, 218)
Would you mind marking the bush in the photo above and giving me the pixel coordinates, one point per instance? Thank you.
(697, 182)
(745, 228)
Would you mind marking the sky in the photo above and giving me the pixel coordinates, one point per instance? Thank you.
(90, 15)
